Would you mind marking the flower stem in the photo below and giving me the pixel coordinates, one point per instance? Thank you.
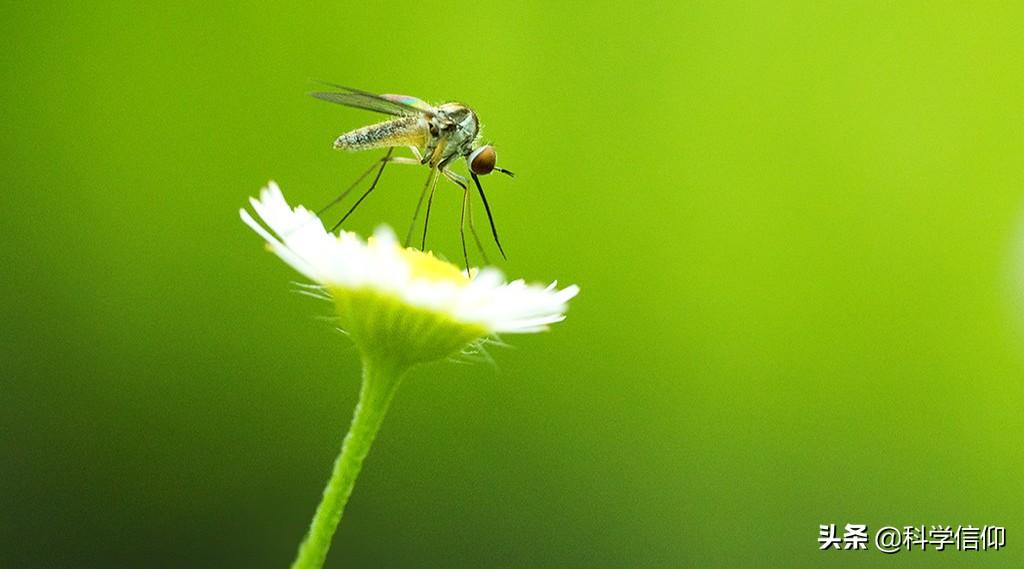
(380, 382)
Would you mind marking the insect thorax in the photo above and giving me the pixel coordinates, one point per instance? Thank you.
(458, 126)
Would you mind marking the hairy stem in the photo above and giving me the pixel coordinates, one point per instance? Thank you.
(380, 382)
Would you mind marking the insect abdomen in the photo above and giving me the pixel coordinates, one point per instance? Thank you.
(405, 131)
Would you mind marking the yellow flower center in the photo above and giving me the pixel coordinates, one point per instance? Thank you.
(427, 266)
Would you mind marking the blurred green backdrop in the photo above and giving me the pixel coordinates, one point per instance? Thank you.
(797, 228)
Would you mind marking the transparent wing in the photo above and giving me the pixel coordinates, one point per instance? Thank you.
(408, 101)
(398, 105)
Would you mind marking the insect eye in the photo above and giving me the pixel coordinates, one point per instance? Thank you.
(482, 160)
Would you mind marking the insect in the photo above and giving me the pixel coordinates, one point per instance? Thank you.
(437, 136)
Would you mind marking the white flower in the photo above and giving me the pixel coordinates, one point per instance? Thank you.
(395, 298)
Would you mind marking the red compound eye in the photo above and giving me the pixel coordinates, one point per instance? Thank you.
(482, 160)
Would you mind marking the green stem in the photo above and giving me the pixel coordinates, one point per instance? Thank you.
(380, 382)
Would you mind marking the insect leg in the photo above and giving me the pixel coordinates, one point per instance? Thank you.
(490, 218)
(462, 183)
(419, 204)
(430, 202)
(362, 176)
(476, 237)
(383, 163)
(462, 228)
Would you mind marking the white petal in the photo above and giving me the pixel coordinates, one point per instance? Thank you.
(344, 260)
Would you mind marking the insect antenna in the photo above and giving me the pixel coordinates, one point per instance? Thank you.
(384, 162)
(490, 218)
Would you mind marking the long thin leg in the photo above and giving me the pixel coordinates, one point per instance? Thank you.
(462, 228)
(426, 218)
(378, 163)
(419, 204)
(494, 231)
(476, 237)
(462, 182)
(383, 163)
(361, 177)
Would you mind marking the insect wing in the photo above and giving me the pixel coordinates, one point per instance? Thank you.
(406, 100)
(397, 105)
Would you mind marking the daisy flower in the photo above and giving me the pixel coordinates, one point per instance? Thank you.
(402, 300)
(401, 307)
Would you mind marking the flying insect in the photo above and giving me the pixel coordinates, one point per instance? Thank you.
(437, 136)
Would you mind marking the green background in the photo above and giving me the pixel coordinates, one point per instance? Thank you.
(798, 230)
